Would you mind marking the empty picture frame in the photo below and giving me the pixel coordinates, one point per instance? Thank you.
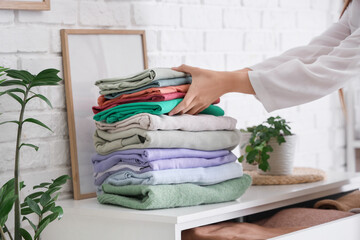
(39, 5)
(90, 55)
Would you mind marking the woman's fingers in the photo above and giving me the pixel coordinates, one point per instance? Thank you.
(183, 105)
(194, 110)
(184, 68)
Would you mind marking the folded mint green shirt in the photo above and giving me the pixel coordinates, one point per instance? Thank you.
(175, 195)
(124, 111)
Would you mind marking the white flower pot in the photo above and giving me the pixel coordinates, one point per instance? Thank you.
(281, 160)
(244, 140)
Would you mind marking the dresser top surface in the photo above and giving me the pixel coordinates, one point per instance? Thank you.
(254, 197)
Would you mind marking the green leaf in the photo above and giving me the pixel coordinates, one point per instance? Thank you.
(248, 148)
(12, 83)
(17, 122)
(13, 90)
(30, 222)
(45, 198)
(20, 74)
(240, 159)
(48, 207)
(35, 121)
(16, 97)
(42, 185)
(35, 195)
(42, 226)
(33, 206)
(25, 234)
(53, 190)
(26, 211)
(43, 84)
(29, 145)
(6, 207)
(42, 97)
(59, 181)
(59, 211)
(48, 75)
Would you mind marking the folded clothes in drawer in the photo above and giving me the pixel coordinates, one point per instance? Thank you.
(285, 221)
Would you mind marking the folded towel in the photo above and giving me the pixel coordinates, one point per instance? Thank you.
(106, 143)
(234, 231)
(169, 196)
(198, 176)
(175, 163)
(147, 92)
(161, 164)
(110, 94)
(125, 111)
(186, 122)
(344, 203)
(149, 98)
(138, 79)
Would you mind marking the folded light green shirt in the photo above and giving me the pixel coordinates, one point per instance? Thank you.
(124, 111)
(106, 143)
(170, 196)
(136, 80)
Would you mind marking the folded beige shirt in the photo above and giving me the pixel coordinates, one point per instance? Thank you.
(186, 122)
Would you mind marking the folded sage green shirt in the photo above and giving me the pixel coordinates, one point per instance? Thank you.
(136, 80)
(124, 111)
(169, 196)
(106, 143)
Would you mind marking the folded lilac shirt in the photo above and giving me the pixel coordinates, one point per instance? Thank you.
(106, 168)
(151, 154)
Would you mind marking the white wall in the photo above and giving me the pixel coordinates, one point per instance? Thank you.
(216, 34)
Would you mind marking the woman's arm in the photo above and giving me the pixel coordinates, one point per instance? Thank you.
(320, 45)
(294, 82)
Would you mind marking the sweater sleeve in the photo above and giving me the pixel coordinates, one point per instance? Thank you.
(320, 45)
(295, 82)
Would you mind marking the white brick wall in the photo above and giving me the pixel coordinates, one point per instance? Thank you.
(216, 34)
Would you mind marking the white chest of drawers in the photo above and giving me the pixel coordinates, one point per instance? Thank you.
(87, 219)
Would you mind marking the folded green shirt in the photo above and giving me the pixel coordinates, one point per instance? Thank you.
(124, 111)
(169, 196)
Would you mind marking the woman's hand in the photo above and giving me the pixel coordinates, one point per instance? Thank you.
(207, 86)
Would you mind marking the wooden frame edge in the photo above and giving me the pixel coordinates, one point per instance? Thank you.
(69, 97)
(21, 5)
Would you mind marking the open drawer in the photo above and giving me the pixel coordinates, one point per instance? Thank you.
(346, 228)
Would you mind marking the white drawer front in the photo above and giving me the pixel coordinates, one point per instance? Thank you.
(345, 228)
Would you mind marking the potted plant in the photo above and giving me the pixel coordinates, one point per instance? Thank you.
(270, 146)
(42, 202)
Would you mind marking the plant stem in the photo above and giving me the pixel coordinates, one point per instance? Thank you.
(8, 231)
(2, 235)
(17, 212)
(40, 218)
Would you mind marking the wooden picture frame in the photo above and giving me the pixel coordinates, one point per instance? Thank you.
(43, 5)
(88, 55)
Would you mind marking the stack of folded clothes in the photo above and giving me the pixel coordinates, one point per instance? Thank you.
(148, 160)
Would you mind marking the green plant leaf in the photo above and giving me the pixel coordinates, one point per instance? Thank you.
(42, 97)
(59, 211)
(35, 195)
(26, 211)
(48, 75)
(29, 145)
(13, 90)
(30, 222)
(48, 207)
(6, 207)
(17, 122)
(42, 185)
(37, 84)
(16, 97)
(33, 206)
(12, 83)
(20, 74)
(45, 198)
(59, 181)
(42, 226)
(241, 159)
(35, 121)
(25, 234)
